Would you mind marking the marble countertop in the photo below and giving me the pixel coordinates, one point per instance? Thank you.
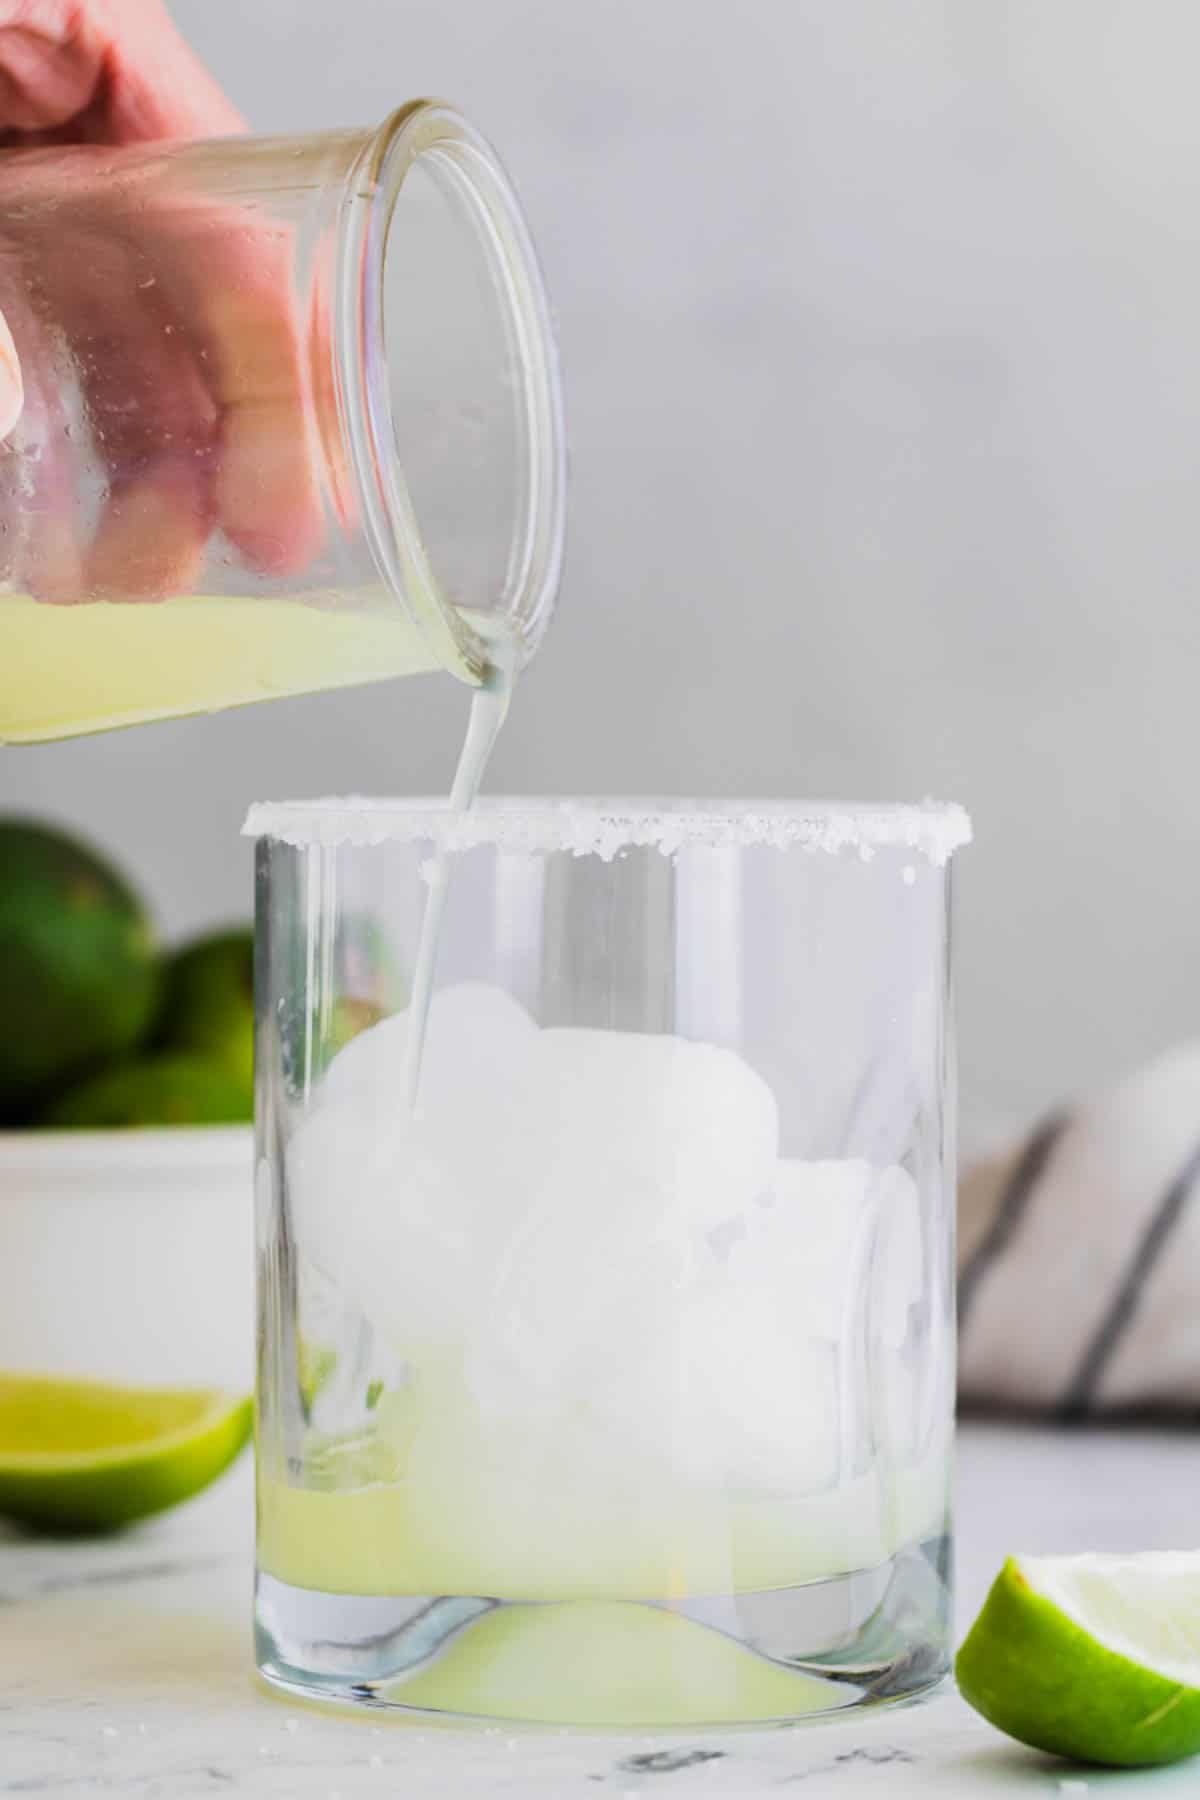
(125, 1667)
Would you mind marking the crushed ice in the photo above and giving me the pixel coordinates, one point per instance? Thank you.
(594, 1235)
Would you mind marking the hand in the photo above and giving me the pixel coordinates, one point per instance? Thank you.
(176, 313)
(96, 72)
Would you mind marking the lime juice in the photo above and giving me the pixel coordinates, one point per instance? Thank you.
(69, 669)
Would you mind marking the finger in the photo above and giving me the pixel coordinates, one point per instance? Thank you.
(117, 73)
(50, 64)
(239, 303)
(158, 87)
(43, 528)
(266, 494)
(149, 416)
(12, 387)
(151, 538)
(40, 549)
(183, 341)
(334, 457)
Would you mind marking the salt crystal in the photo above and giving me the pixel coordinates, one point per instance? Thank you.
(608, 828)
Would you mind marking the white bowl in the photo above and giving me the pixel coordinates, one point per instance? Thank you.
(128, 1256)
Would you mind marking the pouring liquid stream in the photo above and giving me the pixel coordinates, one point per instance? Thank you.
(489, 708)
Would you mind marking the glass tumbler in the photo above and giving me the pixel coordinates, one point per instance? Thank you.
(292, 420)
(611, 1380)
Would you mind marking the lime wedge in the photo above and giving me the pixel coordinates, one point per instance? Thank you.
(1092, 1657)
(79, 1456)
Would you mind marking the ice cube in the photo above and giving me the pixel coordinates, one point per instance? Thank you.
(691, 1123)
(765, 1395)
(627, 1149)
(728, 1392)
(808, 1246)
(835, 1240)
(749, 1373)
(392, 1206)
(470, 1038)
(898, 1277)
(377, 1211)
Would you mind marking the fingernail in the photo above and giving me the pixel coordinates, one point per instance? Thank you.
(12, 388)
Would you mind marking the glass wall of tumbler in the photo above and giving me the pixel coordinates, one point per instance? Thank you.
(606, 1313)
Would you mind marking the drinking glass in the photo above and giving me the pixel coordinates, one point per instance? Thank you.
(292, 420)
(611, 1380)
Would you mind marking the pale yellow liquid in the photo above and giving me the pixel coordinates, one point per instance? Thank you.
(71, 669)
(514, 1537)
(593, 1658)
(529, 1530)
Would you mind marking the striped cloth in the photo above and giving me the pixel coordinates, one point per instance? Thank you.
(1079, 1256)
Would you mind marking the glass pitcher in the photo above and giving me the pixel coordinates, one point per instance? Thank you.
(292, 421)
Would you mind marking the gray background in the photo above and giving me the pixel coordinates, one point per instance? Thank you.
(881, 321)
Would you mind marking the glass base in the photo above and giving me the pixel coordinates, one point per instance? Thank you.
(783, 1654)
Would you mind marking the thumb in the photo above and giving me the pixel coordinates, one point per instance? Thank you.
(12, 388)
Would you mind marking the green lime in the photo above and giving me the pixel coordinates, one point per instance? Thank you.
(79, 969)
(208, 1000)
(1092, 1657)
(163, 1089)
(79, 1456)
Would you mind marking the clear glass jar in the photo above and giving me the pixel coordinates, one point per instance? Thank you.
(292, 421)
(613, 1382)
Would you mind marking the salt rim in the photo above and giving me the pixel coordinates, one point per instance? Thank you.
(603, 828)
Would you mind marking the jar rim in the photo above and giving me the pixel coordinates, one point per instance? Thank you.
(418, 132)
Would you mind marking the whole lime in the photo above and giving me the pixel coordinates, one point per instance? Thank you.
(208, 1000)
(79, 971)
(167, 1088)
